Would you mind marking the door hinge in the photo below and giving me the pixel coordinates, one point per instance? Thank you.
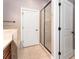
(59, 28)
(59, 53)
(59, 3)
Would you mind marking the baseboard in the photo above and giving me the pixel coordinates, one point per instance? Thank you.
(31, 46)
(22, 46)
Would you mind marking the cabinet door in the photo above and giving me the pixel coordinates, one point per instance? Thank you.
(48, 27)
(7, 52)
(42, 26)
(9, 56)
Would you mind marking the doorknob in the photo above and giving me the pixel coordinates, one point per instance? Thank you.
(72, 32)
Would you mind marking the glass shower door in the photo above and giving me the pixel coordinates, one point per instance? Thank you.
(48, 27)
(45, 26)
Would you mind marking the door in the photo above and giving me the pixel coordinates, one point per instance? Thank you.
(66, 33)
(48, 27)
(30, 27)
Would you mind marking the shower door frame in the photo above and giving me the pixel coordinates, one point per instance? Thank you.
(44, 25)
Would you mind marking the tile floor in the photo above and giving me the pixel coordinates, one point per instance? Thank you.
(35, 52)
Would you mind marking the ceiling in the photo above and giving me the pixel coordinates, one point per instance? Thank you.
(34, 4)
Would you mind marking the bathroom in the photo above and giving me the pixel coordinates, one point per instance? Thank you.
(31, 29)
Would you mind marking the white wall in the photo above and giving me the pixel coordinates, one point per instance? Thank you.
(12, 8)
(11, 11)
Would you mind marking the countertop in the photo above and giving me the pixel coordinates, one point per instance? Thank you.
(9, 35)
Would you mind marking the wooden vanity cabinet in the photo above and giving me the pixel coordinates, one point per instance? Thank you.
(7, 52)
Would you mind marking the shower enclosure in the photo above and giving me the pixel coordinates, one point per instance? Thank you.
(45, 25)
